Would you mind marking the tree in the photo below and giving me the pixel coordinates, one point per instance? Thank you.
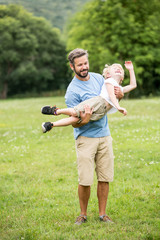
(32, 56)
(119, 30)
(57, 11)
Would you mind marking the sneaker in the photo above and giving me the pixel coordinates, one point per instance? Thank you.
(49, 110)
(46, 126)
(105, 218)
(81, 219)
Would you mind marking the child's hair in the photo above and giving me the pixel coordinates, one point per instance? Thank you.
(106, 70)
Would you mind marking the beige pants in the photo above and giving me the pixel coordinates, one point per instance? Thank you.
(94, 153)
(97, 103)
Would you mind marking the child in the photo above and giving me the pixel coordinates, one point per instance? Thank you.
(100, 105)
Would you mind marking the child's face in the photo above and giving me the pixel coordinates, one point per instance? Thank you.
(117, 70)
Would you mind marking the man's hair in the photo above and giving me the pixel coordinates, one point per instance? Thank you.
(76, 53)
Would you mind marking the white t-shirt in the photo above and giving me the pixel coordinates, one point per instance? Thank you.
(104, 93)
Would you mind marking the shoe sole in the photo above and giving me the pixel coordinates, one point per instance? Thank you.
(43, 128)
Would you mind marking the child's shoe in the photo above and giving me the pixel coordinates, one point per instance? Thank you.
(46, 126)
(49, 110)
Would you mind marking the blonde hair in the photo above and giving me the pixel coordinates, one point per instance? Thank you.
(107, 69)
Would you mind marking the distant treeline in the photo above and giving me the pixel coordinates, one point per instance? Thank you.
(33, 56)
(119, 30)
(55, 11)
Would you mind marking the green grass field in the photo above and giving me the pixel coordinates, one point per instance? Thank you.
(38, 175)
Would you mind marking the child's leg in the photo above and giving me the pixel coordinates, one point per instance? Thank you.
(65, 122)
(56, 111)
(47, 126)
(66, 111)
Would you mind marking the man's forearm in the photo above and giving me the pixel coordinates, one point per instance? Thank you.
(83, 122)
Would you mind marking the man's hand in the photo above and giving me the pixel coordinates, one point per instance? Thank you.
(85, 116)
(119, 94)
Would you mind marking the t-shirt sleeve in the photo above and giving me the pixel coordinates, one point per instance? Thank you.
(101, 80)
(111, 81)
(71, 99)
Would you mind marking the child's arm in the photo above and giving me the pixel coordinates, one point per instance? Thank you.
(133, 84)
(110, 89)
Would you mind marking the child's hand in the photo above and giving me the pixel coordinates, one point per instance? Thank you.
(122, 110)
(128, 65)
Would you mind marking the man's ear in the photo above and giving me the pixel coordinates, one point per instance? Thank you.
(71, 66)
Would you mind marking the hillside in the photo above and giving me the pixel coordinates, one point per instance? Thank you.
(56, 11)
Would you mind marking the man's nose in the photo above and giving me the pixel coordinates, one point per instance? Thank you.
(84, 66)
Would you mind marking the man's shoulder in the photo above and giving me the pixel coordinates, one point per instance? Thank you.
(73, 88)
(96, 78)
(96, 75)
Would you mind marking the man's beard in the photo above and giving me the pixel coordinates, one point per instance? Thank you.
(79, 73)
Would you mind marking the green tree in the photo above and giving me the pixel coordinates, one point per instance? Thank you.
(57, 11)
(119, 30)
(32, 56)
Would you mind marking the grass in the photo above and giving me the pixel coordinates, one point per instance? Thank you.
(38, 175)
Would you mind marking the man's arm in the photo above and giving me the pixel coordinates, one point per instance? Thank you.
(85, 117)
(132, 85)
(118, 92)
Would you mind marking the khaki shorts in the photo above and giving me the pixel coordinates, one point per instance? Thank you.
(94, 153)
(97, 103)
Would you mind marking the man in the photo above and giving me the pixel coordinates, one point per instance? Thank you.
(93, 140)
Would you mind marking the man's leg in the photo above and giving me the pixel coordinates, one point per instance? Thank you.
(86, 149)
(102, 194)
(84, 194)
(105, 172)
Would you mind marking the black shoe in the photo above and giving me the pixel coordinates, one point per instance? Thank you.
(46, 126)
(49, 110)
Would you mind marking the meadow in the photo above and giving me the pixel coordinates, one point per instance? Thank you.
(38, 175)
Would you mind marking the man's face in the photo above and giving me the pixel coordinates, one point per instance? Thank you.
(81, 66)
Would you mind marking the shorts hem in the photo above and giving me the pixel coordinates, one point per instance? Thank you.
(110, 180)
(85, 185)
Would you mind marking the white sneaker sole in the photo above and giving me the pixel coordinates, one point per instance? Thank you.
(43, 128)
